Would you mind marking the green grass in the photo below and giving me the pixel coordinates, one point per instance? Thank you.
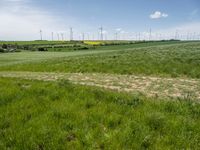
(163, 60)
(24, 58)
(59, 115)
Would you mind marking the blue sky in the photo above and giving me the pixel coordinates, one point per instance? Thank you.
(24, 18)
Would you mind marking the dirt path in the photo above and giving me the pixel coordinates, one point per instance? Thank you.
(150, 86)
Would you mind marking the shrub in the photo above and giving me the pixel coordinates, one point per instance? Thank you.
(85, 47)
(26, 47)
(4, 46)
(42, 49)
(1, 50)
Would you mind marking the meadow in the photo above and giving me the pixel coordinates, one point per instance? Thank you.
(126, 96)
(173, 60)
(60, 115)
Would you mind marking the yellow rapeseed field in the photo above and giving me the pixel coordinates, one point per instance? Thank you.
(92, 43)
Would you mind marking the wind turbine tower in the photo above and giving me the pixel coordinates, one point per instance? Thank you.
(83, 36)
(62, 35)
(116, 36)
(176, 35)
(188, 34)
(58, 36)
(101, 33)
(150, 34)
(71, 34)
(52, 36)
(41, 35)
(139, 36)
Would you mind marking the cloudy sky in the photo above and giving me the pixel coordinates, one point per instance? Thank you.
(23, 19)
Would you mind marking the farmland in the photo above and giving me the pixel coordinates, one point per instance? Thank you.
(112, 95)
(162, 59)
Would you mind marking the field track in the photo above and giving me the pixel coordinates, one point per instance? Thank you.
(150, 86)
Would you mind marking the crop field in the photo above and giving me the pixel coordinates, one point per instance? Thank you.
(113, 95)
(174, 60)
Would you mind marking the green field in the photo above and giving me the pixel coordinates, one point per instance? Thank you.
(176, 59)
(126, 96)
(46, 115)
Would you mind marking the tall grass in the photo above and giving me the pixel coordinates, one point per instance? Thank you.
(59, 115)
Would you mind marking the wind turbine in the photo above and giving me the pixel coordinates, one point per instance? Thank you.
(176, 35)
(116, 36)
(188, 34)
(83, 36)
(71, 34)
(150, 34)
(52, 36)
(62, 35)
(41, 35)
(101, 33)
(139, 36)
(160, 36)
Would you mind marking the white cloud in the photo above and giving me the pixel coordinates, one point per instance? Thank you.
(158, 15)
(21, 20)
(118, 29)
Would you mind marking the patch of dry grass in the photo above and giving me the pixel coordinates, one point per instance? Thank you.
(147, 85)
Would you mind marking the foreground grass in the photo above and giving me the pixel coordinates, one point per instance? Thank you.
(162, 60)
(59, 115)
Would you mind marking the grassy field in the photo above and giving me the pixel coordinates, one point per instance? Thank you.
(28, 56)
(46, 115)
(23, 58)
(173, 60)
(132, 96)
